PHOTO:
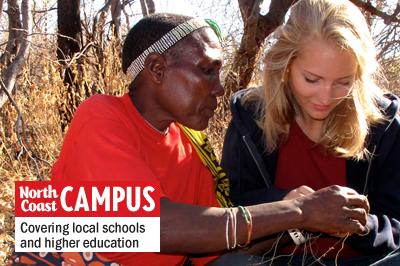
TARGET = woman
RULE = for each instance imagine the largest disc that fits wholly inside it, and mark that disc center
(319, 120)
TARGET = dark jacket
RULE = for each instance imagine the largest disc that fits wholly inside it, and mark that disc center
(252, 171)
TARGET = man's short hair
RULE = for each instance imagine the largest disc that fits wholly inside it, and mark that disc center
(146, 32)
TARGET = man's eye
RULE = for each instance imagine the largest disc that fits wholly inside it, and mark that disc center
(207, 71)
(308, 80)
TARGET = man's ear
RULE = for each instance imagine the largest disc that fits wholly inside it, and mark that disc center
(155, 65)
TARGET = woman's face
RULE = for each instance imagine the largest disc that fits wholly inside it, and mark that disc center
(320, 77)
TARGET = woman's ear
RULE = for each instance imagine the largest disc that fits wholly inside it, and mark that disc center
(155, 65)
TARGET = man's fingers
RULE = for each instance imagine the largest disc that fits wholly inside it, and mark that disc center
(337, 210)
(347, 190)
(356, 227)
(358, 214)
(358, 201)
(348, 226)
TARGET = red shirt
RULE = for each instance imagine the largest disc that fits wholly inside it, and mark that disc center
(303, 162)
(109, 140)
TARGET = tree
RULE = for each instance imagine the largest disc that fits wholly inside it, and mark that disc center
(256, 28)
(147, 7)
(1, 8)
(69, 44)
(18, 45)
(116, 9)
(14, 24)
(375, 10)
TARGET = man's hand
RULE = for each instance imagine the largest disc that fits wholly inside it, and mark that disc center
(334, 210)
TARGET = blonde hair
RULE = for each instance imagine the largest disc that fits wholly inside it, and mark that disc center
(347, 126)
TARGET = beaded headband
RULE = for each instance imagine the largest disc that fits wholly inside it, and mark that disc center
(165, 42)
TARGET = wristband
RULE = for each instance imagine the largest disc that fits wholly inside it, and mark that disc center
(297, 236)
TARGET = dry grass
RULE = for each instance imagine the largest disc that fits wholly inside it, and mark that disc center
(39, 96)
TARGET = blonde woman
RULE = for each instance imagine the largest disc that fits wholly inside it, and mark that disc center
(319, 120)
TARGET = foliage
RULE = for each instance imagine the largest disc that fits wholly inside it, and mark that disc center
(41, 93)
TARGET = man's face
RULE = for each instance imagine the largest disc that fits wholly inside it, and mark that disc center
(191, 81)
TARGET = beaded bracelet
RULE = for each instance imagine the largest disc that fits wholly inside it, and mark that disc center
(249, 221)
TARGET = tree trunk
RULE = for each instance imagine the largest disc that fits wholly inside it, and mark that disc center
(98, 35)
(69, 43)
(69, 28)
(1, 8)
(14, 24)
(116, 10)
(147, 7)
(24, 37)
(256, 28)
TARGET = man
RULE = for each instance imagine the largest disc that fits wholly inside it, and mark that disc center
(175, 63)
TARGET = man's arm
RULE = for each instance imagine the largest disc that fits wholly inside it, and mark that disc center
(194, 229)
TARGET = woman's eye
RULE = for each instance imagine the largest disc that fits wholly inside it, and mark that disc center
(310, 80)
(346, 83)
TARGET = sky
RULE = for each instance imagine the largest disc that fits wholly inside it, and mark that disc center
(225, 13)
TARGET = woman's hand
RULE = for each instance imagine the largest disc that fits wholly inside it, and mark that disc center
(298, 192)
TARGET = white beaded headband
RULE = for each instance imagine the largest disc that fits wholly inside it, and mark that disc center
(166, 41)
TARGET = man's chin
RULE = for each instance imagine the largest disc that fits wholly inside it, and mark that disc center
(198, 125)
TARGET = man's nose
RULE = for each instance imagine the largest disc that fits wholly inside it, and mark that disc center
(218, 90)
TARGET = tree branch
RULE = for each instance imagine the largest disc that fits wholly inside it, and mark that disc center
(256, 29)
(274, 18)
(388, 19)
(22, 138)
(45, 11)
(100, 18)
(147, 7)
